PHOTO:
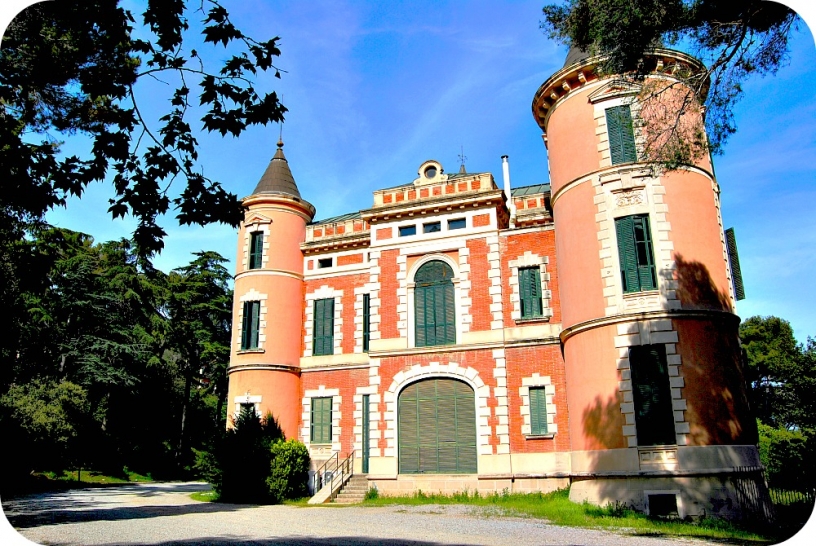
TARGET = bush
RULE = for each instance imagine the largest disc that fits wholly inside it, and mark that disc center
(786, 455)
(289, 471)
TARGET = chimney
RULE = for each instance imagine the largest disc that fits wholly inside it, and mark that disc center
(506, 175)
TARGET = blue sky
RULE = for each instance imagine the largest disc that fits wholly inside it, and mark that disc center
(376, 88)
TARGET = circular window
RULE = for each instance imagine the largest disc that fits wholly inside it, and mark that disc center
(430, 172)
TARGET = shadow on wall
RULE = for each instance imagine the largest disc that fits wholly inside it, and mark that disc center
(603, 422)
(696, 288)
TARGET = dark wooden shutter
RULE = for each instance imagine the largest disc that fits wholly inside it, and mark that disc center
(651, 393)
(621, 134)
(320, 425)
(538, 411)
(256, 250)
(645, 258)
(733, 259)
(366, 321)
(434, 314)
(366, 447)
(323, 329)
(247, 320)
(437, 428)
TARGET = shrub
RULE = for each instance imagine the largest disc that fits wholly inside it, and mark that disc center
(289, 470)
(372, 493)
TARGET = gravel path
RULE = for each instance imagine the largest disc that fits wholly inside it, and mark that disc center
(163, 513)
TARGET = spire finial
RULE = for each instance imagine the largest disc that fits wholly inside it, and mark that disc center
(280, 135)
(462, 158)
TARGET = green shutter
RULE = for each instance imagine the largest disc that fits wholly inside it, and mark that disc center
(366, 321)
(538, 411)
(621, 135)
(321, 416)
(366, 447)
(256, 250)
(624, 228)
(733, 260)
(250, 323)
(323, 327)
(637, 264)
(437, 428)
(651, 393)
(530, 292)
(434, 314)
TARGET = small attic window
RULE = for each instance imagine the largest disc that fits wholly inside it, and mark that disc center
(430, 172)
(324, 262)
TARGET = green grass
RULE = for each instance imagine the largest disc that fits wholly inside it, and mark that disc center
(557, 509)
(205, 496)
(93, 477)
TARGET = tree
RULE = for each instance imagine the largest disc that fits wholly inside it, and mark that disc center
(735, 40)
(200, 314)
(71, 68)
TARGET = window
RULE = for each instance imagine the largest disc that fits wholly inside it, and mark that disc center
(621, 134)
(530, 292)
(252, 320)
(635, 252)
(256, 250)
(323, 331)
(324, 262)
(538, 411)
(432, 227)
(457, 223)
(405, 231)
(366, 321)
(434, 320)
(320, 428)
(651, 394)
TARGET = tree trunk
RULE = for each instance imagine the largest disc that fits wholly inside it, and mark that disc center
(184, 407)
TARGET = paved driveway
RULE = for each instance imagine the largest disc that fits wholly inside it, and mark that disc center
(163, 513)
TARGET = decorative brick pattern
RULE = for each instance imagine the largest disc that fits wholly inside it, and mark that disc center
(501, 411)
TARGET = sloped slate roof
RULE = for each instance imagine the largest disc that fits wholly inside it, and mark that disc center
(278, 178)
(530, 190)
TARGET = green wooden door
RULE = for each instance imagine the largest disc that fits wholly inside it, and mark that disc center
(366, 431)
(437, 428)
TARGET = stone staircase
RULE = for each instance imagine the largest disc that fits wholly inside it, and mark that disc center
(354, 491)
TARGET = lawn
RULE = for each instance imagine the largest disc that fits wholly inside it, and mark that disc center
(556, 508)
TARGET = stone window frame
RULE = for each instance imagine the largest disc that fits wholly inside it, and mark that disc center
(252, 295)
(324, 292)
(257, 225)
(306, 420)
(537, 381)
(529, 259)
(247, 399)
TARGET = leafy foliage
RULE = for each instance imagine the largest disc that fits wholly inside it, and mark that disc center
(92, 334)
(787, 456)
(74, 68)
(735, 40)
(289, 474)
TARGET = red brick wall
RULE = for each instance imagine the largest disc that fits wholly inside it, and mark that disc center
(388, 294)
(347, 381)
(481, 220)
(524, 362)
(350, 259)
(346, 283)
(515, 245)
(384, 233)
(479, 285)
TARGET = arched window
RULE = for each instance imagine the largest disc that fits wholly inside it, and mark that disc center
(434, 318)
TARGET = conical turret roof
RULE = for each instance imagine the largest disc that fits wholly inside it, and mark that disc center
(278, 178)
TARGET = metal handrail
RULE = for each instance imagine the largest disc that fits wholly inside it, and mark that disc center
(344, 472)
(323, 469)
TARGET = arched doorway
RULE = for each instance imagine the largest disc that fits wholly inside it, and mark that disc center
(434, 317)
(437, 427)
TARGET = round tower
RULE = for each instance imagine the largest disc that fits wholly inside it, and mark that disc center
(659, 417)
(267, 315)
